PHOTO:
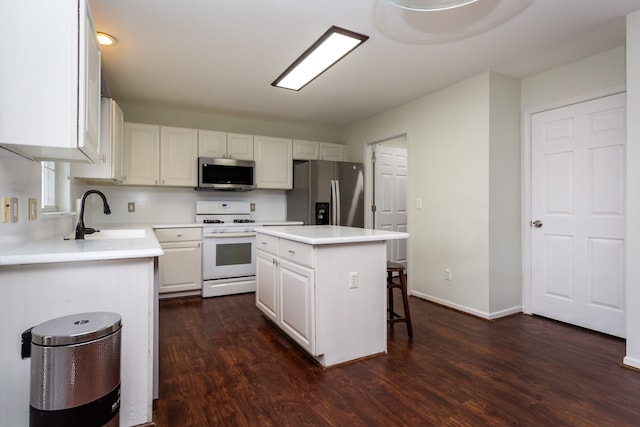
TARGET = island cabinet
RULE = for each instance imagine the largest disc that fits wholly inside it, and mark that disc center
(286, 294)
(325, 288)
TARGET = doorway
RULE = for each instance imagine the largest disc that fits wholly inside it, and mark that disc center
(388, 192)
(578, 214)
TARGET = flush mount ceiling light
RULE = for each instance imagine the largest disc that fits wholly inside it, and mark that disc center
(331, 47)
(430, 5)
(106, 39)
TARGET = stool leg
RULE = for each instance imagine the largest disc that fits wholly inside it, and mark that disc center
(390, 301)
(405, 302)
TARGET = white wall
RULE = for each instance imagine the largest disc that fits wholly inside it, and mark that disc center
(20, 178)
(633, 191)
(505, 256)
(449, 138)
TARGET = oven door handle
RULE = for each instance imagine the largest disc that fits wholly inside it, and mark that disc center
(223, 235)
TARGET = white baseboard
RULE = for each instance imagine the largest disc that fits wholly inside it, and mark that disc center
(469, 310)
(631, 361)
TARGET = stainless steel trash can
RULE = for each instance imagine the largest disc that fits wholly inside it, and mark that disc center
(75, 371)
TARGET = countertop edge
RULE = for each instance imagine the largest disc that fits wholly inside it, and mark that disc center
(328, 240)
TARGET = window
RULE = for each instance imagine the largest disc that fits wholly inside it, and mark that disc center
(55, 187)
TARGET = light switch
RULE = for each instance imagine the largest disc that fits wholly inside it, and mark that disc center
(6, 208)
(418, 203)
(33, 208)
(14, 209)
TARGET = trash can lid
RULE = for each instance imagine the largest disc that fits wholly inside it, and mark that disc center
(75, 328)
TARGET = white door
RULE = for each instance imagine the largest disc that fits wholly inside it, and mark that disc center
(390, 197)
(578, 193)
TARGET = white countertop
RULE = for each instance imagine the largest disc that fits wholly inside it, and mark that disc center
(330, 234)
(57, 249)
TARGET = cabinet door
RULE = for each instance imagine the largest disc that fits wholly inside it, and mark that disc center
(212, 144)
(306, 150)
(180, 267)
(141, 154)
(89, 86)
(333, 152)
(297, 304)
(266, 277)
(178, 156)
(274, 163)
(240, 147)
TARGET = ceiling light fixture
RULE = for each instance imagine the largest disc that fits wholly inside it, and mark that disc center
(106, 39)
(331, 47)
(430, 5)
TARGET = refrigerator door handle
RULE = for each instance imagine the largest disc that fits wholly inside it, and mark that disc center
(338, 213)
(333, 203)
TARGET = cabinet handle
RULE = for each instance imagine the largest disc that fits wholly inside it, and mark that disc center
(178, 235)
(291, 252)
(263, 243)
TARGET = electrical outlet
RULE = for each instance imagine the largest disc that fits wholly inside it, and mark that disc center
(252, 207)
(6, 208)
(131, 207)
(353, 279)
(447, 275)
(33, 209)
(14, 209)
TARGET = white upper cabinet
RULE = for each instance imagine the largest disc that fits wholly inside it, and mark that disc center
(313, 150)
(178, 156)
(225, 146)
(240, 146)
(141, 154)
(109, 166)
(49, 80)
(274, 162)
(160, 155)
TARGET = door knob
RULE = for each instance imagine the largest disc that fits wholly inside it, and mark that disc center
(537, 223)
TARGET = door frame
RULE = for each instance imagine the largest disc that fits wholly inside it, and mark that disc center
(526, 167)
(368, 192)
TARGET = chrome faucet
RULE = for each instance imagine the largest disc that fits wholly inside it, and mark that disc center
(81, 230)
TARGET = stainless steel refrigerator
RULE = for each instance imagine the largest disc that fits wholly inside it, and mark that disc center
(326, 192)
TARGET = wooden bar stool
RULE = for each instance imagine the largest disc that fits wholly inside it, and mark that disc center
(395, 267)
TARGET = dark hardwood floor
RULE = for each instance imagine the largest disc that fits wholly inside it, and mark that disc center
(222, 363)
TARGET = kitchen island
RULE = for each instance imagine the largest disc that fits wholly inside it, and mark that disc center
(114, 271)
(325, 287)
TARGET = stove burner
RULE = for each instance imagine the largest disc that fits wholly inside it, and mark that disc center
(213, 221)
(243, 221)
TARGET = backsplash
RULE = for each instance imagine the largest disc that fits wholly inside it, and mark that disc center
(167, 205)
(20, 177)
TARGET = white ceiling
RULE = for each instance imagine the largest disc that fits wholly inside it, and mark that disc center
(222, 55)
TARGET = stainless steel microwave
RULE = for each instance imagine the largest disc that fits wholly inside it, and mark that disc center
(226, 174)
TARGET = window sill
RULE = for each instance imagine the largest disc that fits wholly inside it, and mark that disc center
(54, 215)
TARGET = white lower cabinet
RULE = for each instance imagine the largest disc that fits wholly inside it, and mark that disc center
(180, 267)
(285, 292)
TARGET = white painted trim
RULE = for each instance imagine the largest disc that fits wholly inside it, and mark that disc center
(526, 180)
(368, 193)
(631, 361)
(469, 310)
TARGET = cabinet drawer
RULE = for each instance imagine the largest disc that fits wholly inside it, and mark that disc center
(178, 234)
(267, 243)
(296, 252)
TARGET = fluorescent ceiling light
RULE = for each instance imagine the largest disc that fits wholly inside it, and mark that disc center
(334, 45)
(106, 39)
(430, 5)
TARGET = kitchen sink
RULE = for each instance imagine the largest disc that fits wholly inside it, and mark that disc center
(133, 233)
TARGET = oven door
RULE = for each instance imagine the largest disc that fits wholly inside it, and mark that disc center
(227, 255)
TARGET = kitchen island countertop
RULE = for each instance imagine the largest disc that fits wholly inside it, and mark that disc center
(330, 234)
